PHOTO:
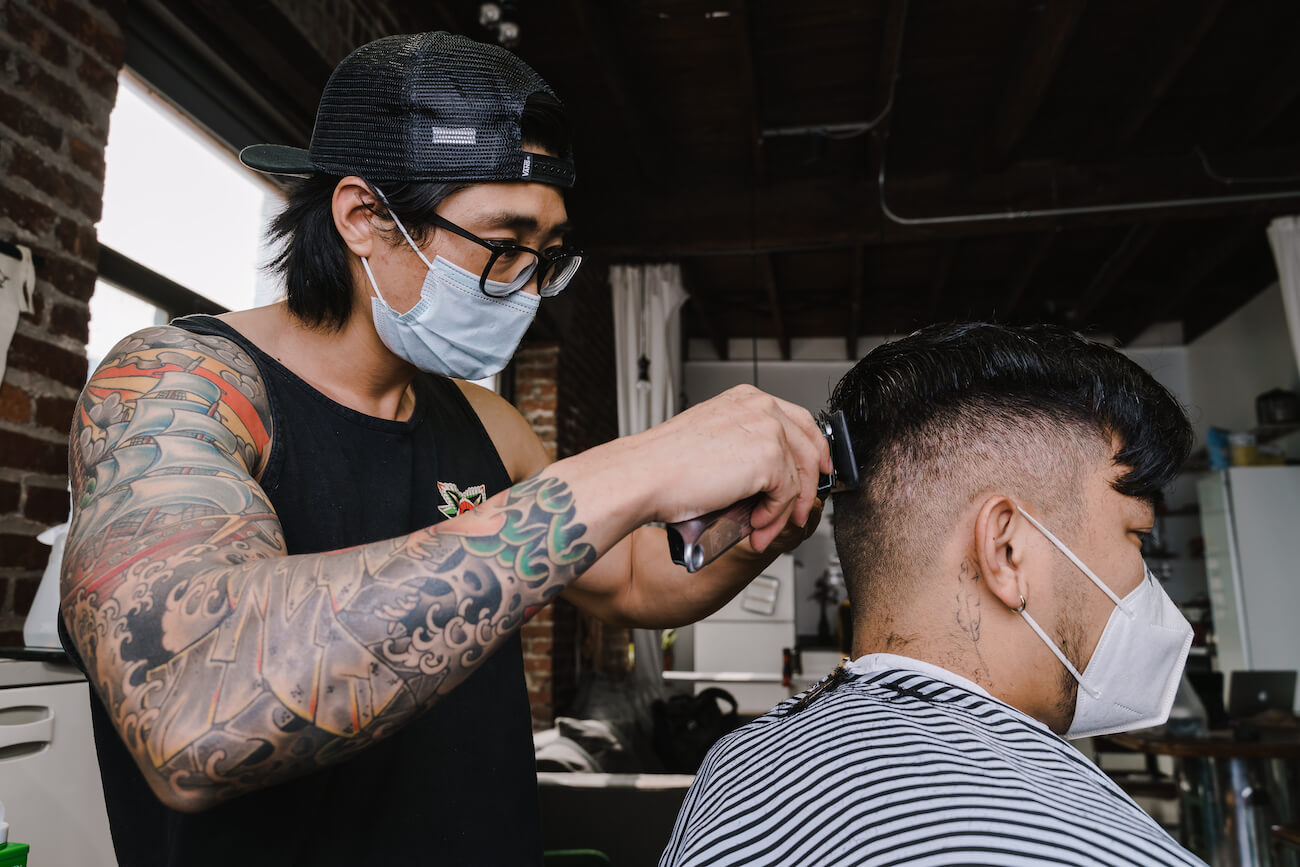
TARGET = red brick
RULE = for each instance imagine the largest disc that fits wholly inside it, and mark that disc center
(15, 405)
(55, 412)
(23, 552)
(70, 321)
(46, 505)
(89, 158)
(35, 35)
(63, 98)
(55, 362)
(70, 276)
(537, 646)
(24, 120)
(99, 77)
(87, 29)
(79, 196)
(10, 492)
(19, 451)
(33, 216)
(25, 589)
(537, 665)
(79, 239)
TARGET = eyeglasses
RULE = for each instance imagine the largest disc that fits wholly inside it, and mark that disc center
(510, 266)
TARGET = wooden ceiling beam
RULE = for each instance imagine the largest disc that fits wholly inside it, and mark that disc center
(767, 278)
(1113, 270)
(888, 70)
(1201, 265)
(1273, 96)
(1150, 97)
(704, 308)
(747, 74)
(939, 282)
(592, 30)
(1025, 275)
(857, 280)
(1050, 33)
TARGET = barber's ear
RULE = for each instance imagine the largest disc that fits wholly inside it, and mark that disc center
(999, 530)
(351, 206)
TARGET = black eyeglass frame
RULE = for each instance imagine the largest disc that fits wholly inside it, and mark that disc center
(546, 259)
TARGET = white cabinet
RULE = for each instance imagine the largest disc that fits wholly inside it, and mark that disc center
(1251, 520)
(746, 637)
(49, 777)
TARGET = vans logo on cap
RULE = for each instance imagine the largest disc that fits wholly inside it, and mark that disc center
(528, 165)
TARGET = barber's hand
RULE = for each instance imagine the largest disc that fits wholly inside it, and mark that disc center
(792, 535)
(719, 452)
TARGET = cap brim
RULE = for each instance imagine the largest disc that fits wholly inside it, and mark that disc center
(277, 159)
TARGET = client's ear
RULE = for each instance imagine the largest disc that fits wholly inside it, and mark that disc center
(998, 531)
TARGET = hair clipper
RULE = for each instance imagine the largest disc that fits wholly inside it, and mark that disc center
(697, 542)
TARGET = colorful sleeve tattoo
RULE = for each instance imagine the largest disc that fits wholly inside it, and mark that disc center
(227, 665)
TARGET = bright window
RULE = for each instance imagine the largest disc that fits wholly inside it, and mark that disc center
(180, 204)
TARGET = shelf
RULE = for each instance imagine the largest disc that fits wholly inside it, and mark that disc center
(1199, 460)
(1266, 433)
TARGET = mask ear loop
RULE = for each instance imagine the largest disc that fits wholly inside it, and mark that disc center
(405, 234)
(1060, 546)
(1051, 645)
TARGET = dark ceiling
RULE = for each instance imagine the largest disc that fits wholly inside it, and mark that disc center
(853, 167)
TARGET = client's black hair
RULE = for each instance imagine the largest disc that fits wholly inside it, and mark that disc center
(313, 258)
(952, 409)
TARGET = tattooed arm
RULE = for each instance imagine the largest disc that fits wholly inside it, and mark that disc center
(635, 583)
(227, 665)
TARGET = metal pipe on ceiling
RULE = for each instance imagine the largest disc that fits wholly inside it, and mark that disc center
(1033, 213)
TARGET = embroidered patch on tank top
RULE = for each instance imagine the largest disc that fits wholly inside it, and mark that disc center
(456, 501)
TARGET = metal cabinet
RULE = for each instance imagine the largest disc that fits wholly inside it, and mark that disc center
(49, 777)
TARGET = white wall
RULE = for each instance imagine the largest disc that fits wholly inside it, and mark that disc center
(1243, 356)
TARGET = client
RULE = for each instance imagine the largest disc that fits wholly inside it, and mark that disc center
(1000, 601)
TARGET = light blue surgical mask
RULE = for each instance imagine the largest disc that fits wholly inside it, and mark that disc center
(455, 329)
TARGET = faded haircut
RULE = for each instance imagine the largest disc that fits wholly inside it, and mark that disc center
(955, 411)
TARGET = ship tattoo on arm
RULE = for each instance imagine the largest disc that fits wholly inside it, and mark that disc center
(227, 665)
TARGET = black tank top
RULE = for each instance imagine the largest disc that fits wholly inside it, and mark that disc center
(456, 786)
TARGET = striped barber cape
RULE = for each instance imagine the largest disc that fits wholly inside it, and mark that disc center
(902, 762)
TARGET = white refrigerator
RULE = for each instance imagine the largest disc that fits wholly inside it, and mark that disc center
(1250, 517)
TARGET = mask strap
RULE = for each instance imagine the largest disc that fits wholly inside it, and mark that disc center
(1060, 546)
(1051, 645)
(401, 228)
(365, 263)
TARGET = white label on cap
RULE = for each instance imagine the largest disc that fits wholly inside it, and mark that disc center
(453, 135)
(528, 165)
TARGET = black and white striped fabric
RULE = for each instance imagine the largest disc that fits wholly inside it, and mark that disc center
(906, 763)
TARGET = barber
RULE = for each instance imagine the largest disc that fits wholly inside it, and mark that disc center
(298, 531)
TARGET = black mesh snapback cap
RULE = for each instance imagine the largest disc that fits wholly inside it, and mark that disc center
(424, 107)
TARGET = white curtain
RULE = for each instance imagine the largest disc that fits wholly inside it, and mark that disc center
(1284, 235)
(647, 324)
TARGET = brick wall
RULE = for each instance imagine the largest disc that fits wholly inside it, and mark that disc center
(59, 61)
(564, 386)
(537, 365)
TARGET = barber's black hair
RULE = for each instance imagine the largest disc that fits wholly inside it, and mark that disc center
(894, 391)
(313, 258)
